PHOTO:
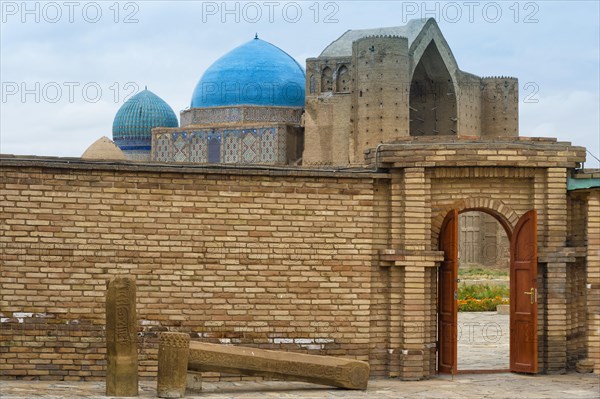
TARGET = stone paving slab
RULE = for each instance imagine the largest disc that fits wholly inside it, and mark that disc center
(465, 386)
(483, 341)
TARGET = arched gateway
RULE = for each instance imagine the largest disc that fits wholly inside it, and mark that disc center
(436, 180)
(523, 294)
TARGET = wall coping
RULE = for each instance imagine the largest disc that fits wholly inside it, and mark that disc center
(9, 160)
(452, 151)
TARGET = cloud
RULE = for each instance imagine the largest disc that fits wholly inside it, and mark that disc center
(568, 116)
(172, 44)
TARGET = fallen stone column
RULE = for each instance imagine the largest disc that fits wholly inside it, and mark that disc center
(121, 338)
(324, 370)
(173, 349)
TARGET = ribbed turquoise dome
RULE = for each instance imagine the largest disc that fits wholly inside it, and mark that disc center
(132, 127)
(255, 73)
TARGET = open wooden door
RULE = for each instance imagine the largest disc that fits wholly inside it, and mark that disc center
(523, 295)
(447, 296)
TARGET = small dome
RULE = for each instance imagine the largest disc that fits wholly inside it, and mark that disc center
(255, 73)
(133, 124)
(103, 148)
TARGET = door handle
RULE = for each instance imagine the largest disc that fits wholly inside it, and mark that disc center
(532, 295)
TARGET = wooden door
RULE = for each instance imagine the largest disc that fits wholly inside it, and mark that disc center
(447, 296)
(523, 295)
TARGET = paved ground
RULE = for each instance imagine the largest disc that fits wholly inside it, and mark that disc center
(483, 344)
(465, 386)
(483, 341)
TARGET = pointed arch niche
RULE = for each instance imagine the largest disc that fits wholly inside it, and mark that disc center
(432, 96)
(326, 80)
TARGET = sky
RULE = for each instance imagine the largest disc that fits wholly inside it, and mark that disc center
(67, 66)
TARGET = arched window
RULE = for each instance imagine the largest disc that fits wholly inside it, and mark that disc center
(313, 84)
(342, 80)
(326, 79)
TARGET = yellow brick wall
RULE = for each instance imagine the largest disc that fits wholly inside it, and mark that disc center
(278, 261)
(514, 193)
(593, 278)
(324, 262)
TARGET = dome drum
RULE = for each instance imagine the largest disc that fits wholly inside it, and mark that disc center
(241, 115)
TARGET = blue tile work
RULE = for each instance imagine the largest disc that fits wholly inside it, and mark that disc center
(281, 146)
(231, 146)
(215, 115)
(198, 147)
(133, 123)
(255, 73)
(203, 116)
(180, 147)
(161, 148)
(266, 145)
(250, 150)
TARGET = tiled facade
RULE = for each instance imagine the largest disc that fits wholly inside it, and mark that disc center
(239, 114)
(258, 145)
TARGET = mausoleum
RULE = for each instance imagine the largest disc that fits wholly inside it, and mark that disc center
(315, 212)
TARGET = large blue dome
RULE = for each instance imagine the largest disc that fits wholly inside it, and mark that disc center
(255, 73)
(132, 127)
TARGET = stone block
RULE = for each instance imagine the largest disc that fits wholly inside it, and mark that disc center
(324, 370)
(121, 338)
(173, 352)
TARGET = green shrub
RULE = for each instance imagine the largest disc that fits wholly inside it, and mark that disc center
(482, 291)
(481, 297)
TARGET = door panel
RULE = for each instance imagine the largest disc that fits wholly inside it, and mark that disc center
(447, 303)
(523, 295)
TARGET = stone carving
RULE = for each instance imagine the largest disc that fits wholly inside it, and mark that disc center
(121, 338)
(324, 370)
(173, 352)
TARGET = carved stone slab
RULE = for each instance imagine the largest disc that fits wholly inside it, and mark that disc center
(324, 370)
(121, 338)
(173, 349)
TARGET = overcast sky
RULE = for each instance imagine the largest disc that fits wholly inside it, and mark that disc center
(67, 66)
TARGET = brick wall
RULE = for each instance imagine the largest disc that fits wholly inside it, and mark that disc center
(593, 278)
(277, 261)
(326, 262)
